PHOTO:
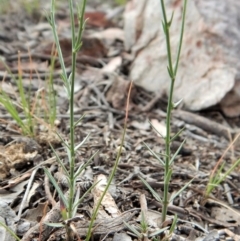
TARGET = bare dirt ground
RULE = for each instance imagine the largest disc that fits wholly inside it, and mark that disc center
(100, 93)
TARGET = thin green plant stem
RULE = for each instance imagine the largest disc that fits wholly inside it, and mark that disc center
(51, 90)
(10, 231)
(75, 48)
(214, 181)
(61, 60)
(25, 103)
(69, 86)
(72, 80)
(166, 27)
(113, 170)
(172, 73)
(81, 23)
(168, 153)
(181, 37)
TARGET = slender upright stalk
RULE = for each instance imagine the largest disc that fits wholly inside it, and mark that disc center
(72, 80)
(112, 174)
(59, 50)
(168, 153)
(172, 73)
(70, 203)
(76, 44)
(69, 86)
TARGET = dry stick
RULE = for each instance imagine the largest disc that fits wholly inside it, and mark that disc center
(41, 221)
(196, 214)
(26, 193)
(204, 123)
(51, 217)
(234, 236)
(47, 189)
(109, 225)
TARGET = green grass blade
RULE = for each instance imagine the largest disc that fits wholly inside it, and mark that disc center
(181, 37)
(76, 201)
(133, 230)
(167, 178)
(228, 171)
(59, 191)
(81, 143)
(156, 130)
(10, 231)
(155, 195)
(84, 195)
(154, 154)
(177, 134)
(10, 108)
(79, 120)
(181, 190)
(158, 232)
(174, 223)
(82, 167)
(176, 153)
(63, 141)
(59, 160)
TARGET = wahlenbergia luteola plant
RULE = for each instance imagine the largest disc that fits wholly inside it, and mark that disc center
(69, 206)
(167, 159)
(70, 203)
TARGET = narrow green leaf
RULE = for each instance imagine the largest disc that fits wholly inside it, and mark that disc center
(12, 233)
(78, 47)
(84, 23)
(181, 37)
(177, 134)
(170, 73)
(176, 104)
(84, 195)
(156, 130)
(69, 78)
(82, 143)
(143, 223)
(180, 191)
(156, 233)
(60, 193)
(68, 151)
(64, 79)
(59, 160)
(170, 22)
(228, 171)
(155, 195)
(10, 107)
(75, 203)
(66, 89)
(176, 153)
(82, 167)
(174, 223)
(81, 21)
(133, 230)
(48, 17)
(168, 176)
(63, 141)
(79, 120)
(164, 29)
(154, 154)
